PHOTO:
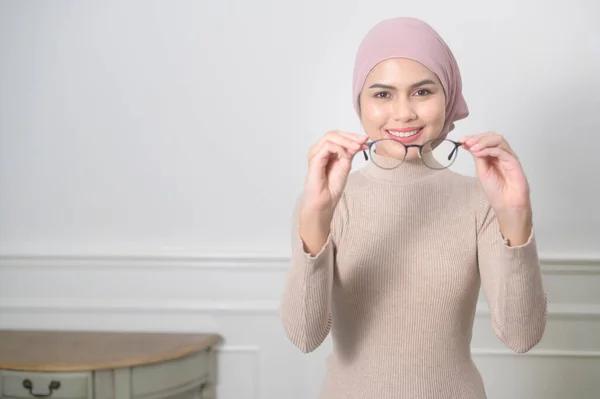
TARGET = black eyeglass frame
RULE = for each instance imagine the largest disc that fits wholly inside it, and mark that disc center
(457, 144)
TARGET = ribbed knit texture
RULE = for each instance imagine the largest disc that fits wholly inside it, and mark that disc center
(397, 285)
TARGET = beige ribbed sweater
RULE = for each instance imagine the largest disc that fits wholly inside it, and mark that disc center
(397, 284)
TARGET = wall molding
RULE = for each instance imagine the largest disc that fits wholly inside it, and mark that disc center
(158, 261)
(106, 305)
(555, 264)
(226, 262)
(483, 352)
(247, 349)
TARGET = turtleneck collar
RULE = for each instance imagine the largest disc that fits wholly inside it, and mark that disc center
(410, 171)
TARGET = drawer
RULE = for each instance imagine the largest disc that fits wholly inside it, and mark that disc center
(30, 384)
(170, 377)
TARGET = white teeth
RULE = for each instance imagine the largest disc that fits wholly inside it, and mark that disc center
(404, 134)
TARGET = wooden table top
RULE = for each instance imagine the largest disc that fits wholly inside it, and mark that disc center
(87, 350)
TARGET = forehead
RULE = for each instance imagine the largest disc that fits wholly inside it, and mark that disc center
(400, 72)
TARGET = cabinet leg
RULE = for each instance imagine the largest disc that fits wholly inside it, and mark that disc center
(209, 388)
(207, 391)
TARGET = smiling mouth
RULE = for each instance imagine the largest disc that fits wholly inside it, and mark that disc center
(404, 134)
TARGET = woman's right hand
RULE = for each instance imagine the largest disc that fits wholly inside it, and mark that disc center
(329, 164)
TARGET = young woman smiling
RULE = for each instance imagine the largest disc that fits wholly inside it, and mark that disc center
(390, 258)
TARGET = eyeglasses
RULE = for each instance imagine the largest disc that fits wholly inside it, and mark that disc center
(436, 154)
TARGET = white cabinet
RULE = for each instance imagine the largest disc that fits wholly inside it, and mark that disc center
(106, 365)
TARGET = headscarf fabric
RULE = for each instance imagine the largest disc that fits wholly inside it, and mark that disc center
(412, 38)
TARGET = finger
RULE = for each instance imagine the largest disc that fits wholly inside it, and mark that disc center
(329, 148)
(479, 135)
(359, 138)
(328, 153)
(474, 138)
(352, 141)
(350, 145)
(471, 138)
(489, 140)
(495, 152)
(329, 136)
(486, 141)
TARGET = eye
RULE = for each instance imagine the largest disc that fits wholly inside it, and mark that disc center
(423, 92)
(382, 94)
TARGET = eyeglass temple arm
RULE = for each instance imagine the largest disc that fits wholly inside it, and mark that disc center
(454, 151)
(368, 143)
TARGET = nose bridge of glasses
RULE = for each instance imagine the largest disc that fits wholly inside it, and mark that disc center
(419, 147)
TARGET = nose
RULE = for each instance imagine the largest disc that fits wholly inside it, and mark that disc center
(403, 110)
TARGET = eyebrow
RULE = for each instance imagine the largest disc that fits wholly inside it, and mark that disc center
(413, 86)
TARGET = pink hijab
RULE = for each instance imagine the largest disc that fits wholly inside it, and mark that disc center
(412, 38)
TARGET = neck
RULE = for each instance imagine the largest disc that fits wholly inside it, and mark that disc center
(409, 171)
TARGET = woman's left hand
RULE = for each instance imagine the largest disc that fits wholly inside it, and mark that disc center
(503, 180)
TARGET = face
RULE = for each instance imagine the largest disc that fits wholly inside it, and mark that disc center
(404, 101)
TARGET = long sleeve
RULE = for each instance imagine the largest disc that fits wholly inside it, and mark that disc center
(305, 308)
(512, 283)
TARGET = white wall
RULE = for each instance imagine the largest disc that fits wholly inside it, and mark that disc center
(145, 183)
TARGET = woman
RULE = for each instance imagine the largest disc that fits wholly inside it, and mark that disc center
(390, 258)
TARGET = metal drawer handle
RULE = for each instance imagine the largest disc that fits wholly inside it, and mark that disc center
(27, 384)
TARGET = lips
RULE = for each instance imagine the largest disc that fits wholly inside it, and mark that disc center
(405, 135)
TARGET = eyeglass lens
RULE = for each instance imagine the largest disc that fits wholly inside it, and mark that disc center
(436, 154)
